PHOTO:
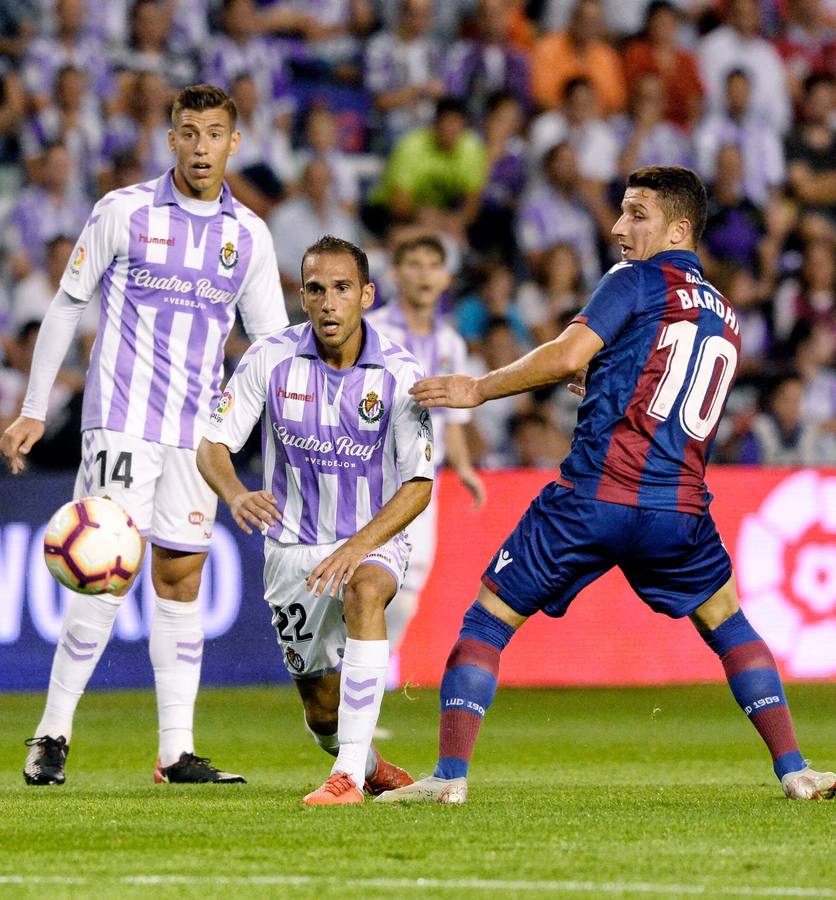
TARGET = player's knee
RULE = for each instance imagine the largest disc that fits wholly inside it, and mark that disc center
(363, 601)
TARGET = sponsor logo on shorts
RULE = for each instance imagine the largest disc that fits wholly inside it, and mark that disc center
(282, 394)
(294, 659)
(196, 517)
(229, 255)
(371, 408)
(505, 559)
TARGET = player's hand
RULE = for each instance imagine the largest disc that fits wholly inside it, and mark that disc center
(335, 569)
(18, 439)
(578, 386)
(471, 480)
(456, 391)
(256, 508)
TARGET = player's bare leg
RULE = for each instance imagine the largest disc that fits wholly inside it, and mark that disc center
(362, 682)
(85, 631)
(467, 691)
(176, 649)
(756, 685)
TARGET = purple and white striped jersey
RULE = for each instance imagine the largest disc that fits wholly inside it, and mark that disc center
(442, 352)
(170, 283)
(337, 444)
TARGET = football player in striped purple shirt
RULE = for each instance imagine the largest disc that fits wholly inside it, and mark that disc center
(172, 259)
(661, 345)
(348, 465)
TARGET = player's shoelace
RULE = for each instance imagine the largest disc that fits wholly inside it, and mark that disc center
(338, 784)
(53, 749)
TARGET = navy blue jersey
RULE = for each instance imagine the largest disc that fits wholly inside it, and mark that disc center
(656, 390)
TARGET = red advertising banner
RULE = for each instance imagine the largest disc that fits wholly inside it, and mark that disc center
(779, 526)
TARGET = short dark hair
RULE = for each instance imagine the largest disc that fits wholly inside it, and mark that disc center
(680, 191)
(330, 244)
(425, 241)
(199, 97)
(451, 105)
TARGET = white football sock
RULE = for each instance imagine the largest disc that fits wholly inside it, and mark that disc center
(176, 648)
(88, 621)
(330, 743)
(362, 683)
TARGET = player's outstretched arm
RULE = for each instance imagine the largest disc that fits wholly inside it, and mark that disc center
(568, 353)
(409, 500)
(18, 439)
(248, 508)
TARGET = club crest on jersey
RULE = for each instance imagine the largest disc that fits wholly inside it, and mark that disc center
(371, 408)
(428, 452)
(229, 255)
(294, 659)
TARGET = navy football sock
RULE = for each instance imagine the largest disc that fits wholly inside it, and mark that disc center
(468, 688)
(756, 685)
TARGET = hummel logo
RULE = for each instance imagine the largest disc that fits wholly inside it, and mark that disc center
(504, 558)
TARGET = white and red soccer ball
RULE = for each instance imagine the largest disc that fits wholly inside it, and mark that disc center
(92, 546)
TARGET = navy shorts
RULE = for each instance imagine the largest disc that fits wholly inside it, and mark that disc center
(674, 561)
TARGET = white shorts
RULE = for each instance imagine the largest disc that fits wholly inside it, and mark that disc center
(421, 534)
(311, 629)
(157, 484)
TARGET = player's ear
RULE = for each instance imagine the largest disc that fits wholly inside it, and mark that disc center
(235, 142)
(171, 139)
(367, 296)
(680, 231)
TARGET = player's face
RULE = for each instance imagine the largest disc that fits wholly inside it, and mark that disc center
(334, 300)
(202, 141)
(642, 230)
(421, 277)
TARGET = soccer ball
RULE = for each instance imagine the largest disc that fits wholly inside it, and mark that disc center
(92, 546)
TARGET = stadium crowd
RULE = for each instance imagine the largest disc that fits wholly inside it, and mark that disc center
(505, 127)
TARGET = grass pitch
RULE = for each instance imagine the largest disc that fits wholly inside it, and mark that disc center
(662, 792)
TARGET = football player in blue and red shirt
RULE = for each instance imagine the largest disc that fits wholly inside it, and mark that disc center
(659, 347)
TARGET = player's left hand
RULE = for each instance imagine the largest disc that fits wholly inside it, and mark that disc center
(471, 480)
(455, 391)
(335, 569)
(578, 386)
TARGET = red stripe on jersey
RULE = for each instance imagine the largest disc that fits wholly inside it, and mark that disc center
(631, 438)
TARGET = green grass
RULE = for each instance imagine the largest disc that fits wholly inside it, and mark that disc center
(662, 792)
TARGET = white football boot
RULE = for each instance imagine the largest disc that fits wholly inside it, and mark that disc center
(428, 790)
(807, 784)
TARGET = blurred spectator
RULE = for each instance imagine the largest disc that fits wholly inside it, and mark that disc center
(535, 443)
(18, 25)
(493, 230)
(486, 62)
(326, 34)
(238, 50)
(811, 147)
(150, 49)
(69, 46)
(658, 51)
(403, 72)
(554, 213)
(300, 221)
(751, 304)
(322, 140)
(546, 303)
(493, 299)
(779, 436)
(53, 206)
(499, 348)
(434, 176)
(142, 123)
(814, 359)
(738, 45)
(621, 17)
(578, 122)
(760, 145)
(808, 43)
(69, 120)
(809, 296)
(580, 51)
(735, 226)
(32, 295)
(12, 108)
(644, 135)
(446, 19)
